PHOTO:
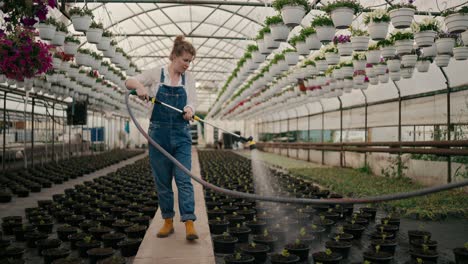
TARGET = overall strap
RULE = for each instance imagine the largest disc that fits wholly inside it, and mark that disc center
(183, 79)
(162, 76)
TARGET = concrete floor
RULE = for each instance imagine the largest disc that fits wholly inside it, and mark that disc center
(176, 249)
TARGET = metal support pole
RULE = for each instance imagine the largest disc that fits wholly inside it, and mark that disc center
(24, 132)
(308, 130)
(449, 124)
(32, 131)
(341, 130)
(46, 134)
(365, 125)
(322, 136)
(399, 126)
(53, 131)
(4, 133)
(287, 138)
(63, 133)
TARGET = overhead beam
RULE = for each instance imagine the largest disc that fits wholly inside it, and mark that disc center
(197, 57)
(171, 36)
(182, 2)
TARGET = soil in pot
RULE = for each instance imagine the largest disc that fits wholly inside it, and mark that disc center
(317, 231)
(327, 223)
(21, 231)
(256, 226)
(327, 257)
(258, 251)
(418, 243)
(52, 254)
(266, 239)
(392, 229)
(239, 258)
(99, 231)
(380, 257)
(387, 245)
(299, 249)
(136, 231)
(129, 247)
(284, 258)
(32, 237)
(224, 243)
(64, 231)
(96, 254)
(234, 219)
(68, 260)
(74, 238)
(341, 247)
(121, 224)
(86, 244)
(354, 229)
(241, 232)
(111, 239)
(215, 213)
(370, 210)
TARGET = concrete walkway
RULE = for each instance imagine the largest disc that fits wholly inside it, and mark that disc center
(176, 249)
(17, 205)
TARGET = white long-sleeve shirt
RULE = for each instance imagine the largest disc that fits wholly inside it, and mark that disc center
(151, 79)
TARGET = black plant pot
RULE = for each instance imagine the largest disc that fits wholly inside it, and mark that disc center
(380, 235)
(354, 229)
(99, 231)
(392, 229)
(129, 247)
(120, 225)
(240, 259)
(259, 251)
(44, 227)
(380, 257)
(64, 231)
(301, 250)
(387, 245)
(370, 210)
(68, 260)
(317, 231)
(461, 255)
(418, 234)
(234, 219)
(333, 258)
(21, 231)
(31, 238)
(326, 223)
(429, 255)
(14, 252)
(52, 254)
(280, 259)
(112, 239)
(213, 214)
(84, 246)
(224, 244)
(112, 260)
(218, 227)
(141, 220)
(4, 243)
(343, 237)
(74, 238)
(341, 247)
(44, 244)
(391, 221)
(241, 232)
(136, 231)
(269, 240)
(418, 243)
(257, 226)
(96, 254)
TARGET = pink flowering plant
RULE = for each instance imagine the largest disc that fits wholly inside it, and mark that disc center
(21, 56)
(25, 12)
(341, 39)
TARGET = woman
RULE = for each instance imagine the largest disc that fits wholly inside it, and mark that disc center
(174, 86)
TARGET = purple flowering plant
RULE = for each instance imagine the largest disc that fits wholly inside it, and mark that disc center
(21, 56)
(341, 39)
(25, 12)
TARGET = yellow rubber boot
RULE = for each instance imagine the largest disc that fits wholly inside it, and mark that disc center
(167, 229)
(191, 234)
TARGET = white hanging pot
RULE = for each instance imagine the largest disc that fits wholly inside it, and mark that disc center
(46, 32)
(360, 43)
(59, 38)
(378, 31)
(291, 58)
(347, 71)
(442, 60)
(292, 15)
(456, 23)
(342, 17)
(409, 60)
(94, 35)
(402, 17)
(425, 38)
(395, 76)
(373, 56)
(321, 65)
(464, 37)
(381, 69)
(279, 32)
(104, 44)
(81, 59)
(445, 45)
(56, 63)
(393, 65)
(110, 53)
(388, 52)
(81, 23)
(374, 80)
(345, 49)
(325, 34)
(302, 48)
(370, 72)
(347, 89)
(384, 78)
(430, 52)
(404, 46)
(262, 48)
(359, 65)
(460, 53)
(70, 48)
(313, 43)
(269, 42)
(407, 73)
(358, 79)
(332, 58)
(2, 78)
(423, 66)
(257, 57)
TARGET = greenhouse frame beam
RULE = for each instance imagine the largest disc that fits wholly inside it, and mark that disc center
(449, 124)
(197, 57)
(4, 132)
(365, 124)
(174, 35)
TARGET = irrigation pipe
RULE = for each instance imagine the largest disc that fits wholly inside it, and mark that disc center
(364, 200)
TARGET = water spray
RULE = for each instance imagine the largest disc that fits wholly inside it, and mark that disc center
(363, 200)
(250, 142)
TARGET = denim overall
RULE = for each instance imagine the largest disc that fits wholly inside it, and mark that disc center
(170, 130)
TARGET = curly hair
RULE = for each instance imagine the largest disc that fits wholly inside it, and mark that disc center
(181, 46)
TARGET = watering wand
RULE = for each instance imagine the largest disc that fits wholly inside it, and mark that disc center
(153, 100)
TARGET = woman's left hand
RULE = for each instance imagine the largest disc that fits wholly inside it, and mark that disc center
(188, 114)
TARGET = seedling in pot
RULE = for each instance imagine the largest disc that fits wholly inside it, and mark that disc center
(377, 248)
(328, 252)
(419, 261)
(285, 253)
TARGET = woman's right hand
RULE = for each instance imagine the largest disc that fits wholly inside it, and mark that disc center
(142, 93)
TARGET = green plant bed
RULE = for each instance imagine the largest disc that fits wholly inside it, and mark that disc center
(353, 183)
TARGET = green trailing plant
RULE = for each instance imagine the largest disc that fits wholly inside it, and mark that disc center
(385, 43)
(273, 20)
(425, 25)
(352, 4)
(298, 38)
(331, 48)
(72, 39)
(279, 4)
(356, 32)
(262, 33)
(322, 21)
(366, 168)
(402, 35)
(377, 16)
(95, 24)
(60, 26)
(328, 252)
(107, 34)
(80, 12)
(307, 31)
(396, 168)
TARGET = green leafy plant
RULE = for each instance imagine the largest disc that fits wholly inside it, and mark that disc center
(401, 35)
(356, 32)
(279, 4)
(322, 21)
(60, 26)
(80, 12)
(273, 20)
(94, 24)
(107, 34)
(354, 5)
(425, 25)
(307, 31)
(385, 43)
(377, 248)
(298, 38)
(285, 253)
(377, 16)
(396, 168)
(328, 252)
(262, 32)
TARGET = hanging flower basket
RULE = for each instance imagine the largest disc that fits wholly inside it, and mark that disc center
(374, 80)
(292, 14)
(394, 65)
(370, 71)
(81, 58)
(464, 37)
(291, 57)
(407, 72)
(359, 79)
(302, 48)
(345, 49)
(384, 78)
(71, 45)
(373, 56)
(59, 38)
(430, 52)
(402, 17)
(270, 43)
(262, 47)
(360, 43)
(322, 65)
(460, 53)
(423, 65)
(110, 53)
(378, 31)
(257, 57)
(46, 31)
(279, 32)
(342, 17)
(380, 69)
(425, 38)
(104, 44)
(325, 34)
(359, 65)
(388, 52)
(94, 33)
(409, 60)
(313, 43)
(404, 46)
(395, 76)
(456, 23)
(81, 18)
(442, 60)
(332, 58)
(445, 45)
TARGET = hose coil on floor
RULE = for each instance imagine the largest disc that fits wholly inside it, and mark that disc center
(364, 200)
